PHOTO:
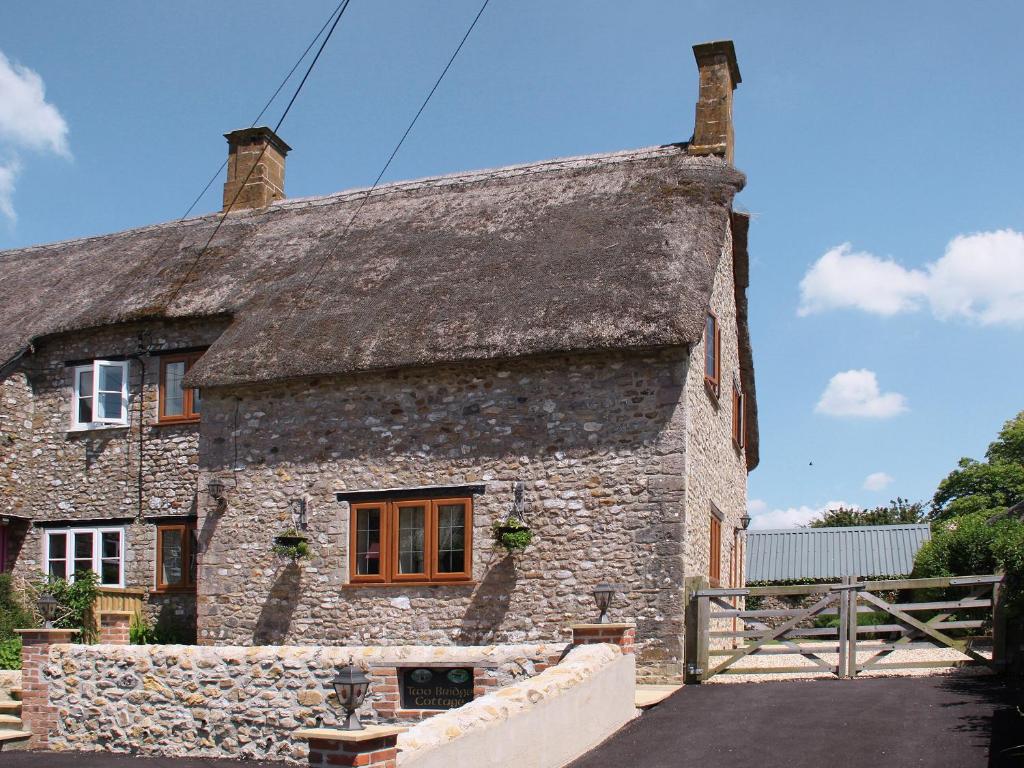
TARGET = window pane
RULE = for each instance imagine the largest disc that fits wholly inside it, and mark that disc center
(58, 568)
(111, 378)
(109, 405)
(111, 572)
(410, 539)
(709, 348)
(110, 544)
(451, 538)
(58, 546)
(368, 541)
(172, 551)
(85, 396)
(174, 395)
(83, 552)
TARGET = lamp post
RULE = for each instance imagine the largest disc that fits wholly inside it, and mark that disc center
(47, 605)
(603, 594)
(350, 686)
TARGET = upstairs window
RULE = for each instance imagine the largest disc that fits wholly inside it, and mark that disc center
(176, 547)
(178, 404)
(67, 551)
(739, 418)
(712, 354)
(100, 395)
(426, 540)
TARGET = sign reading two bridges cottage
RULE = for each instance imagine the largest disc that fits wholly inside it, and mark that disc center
(436, 687)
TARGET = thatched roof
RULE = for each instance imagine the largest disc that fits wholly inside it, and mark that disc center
(612, 251)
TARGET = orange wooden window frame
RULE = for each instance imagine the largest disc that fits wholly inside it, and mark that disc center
(713, 380)
(739, 418)
(431, 573)
(715, 555)
(187, 531)
(186, 415)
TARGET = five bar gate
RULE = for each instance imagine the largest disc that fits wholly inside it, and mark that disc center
(721, 633)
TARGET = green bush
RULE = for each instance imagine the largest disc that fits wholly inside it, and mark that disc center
(140, 631)
(12, 610)
(10, 653)
(74, 601)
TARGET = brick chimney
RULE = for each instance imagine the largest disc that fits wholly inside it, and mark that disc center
(719, 76)
(266, 183)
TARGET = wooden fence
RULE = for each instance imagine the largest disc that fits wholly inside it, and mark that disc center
(116, 601)
(721, 633)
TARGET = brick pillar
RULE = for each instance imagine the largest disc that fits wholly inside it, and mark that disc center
(37, 714)
(114, 627)
(622, 635)
(376, 746)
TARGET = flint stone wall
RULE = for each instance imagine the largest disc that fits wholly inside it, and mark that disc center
(234, 701)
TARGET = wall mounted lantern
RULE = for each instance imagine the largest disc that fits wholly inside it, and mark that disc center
(603, 594)
(745, 520)
(215, 487)
(47, 605)
(299, 513)
(350, 686)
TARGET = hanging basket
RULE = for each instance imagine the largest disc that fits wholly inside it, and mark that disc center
(513, 535)
(291, 544)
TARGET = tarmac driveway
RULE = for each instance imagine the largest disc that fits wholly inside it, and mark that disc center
(940, 722)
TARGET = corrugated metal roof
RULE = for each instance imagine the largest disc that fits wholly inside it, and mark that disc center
(823, 553)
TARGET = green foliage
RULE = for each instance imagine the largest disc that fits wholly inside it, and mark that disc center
(899, 511)
(10, 653)
(513, 534)
(13, 614)
(74, 601)
(140, 631)
(297, 550)
(164, 632)
(993, 485)
(863, 620)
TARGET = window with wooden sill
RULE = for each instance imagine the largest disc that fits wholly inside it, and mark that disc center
(426, 541)
(715, 548)
(178, 405)
(176, 547)
(712, 354)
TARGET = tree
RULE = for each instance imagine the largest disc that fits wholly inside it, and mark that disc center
(899, 512)
(986, 486)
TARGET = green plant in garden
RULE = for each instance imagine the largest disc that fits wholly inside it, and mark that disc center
(10, 653)
(74, 601)
(140, 631)
(13, 614)
(291, 543)
(513, 534)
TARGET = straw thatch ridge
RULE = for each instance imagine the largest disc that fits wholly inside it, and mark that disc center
(614, 251)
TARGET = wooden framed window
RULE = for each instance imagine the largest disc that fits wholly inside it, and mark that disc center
(178, 404)
(66, 551)
(176, 547)
(712, 353)
(418, 540)
(739, 418)
(715, 549)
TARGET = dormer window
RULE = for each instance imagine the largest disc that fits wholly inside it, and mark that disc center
(100, 395)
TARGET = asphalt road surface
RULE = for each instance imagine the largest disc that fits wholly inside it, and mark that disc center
(939, 722)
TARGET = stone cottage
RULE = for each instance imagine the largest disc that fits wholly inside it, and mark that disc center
(391, 372)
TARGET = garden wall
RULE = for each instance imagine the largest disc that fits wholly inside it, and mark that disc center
(242, 702)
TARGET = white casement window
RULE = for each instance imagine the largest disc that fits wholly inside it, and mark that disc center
(100, 395)
(69, 550)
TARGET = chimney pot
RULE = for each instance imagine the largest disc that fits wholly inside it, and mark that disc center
(719, 76)
(255, 169)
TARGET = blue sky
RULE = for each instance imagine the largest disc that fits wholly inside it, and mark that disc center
(891, 127)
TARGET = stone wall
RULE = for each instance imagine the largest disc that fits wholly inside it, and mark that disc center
(597, 440)
(137, 473)
(238, 702)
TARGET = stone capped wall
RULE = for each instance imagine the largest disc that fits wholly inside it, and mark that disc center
(234, 701)
(598, 441)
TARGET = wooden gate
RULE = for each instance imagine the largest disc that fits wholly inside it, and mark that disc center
(723, 636)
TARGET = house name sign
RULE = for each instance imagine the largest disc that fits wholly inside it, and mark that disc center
(436, 687)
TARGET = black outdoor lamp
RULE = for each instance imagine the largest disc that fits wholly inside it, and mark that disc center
(47, 605)
(215, 487)
(350, 686)
(745, 520)
(603, 597)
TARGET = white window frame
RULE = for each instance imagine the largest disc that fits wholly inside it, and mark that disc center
(97, 551)
(98, 423)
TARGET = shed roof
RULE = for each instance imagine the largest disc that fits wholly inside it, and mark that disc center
(822, 553)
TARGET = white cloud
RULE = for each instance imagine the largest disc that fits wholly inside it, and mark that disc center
(877, 481)
(791, 517)
(979, 278)
(27, 122)
(856, 394)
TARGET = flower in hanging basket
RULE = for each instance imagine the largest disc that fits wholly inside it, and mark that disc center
(291, 544)
(513, 534)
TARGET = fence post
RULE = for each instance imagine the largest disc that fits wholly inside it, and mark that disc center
(694, 631)
(843, 606)
(999, 622)
(851, 626)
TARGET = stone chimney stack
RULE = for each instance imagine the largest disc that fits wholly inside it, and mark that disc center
(719, 76)
(266, 182)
